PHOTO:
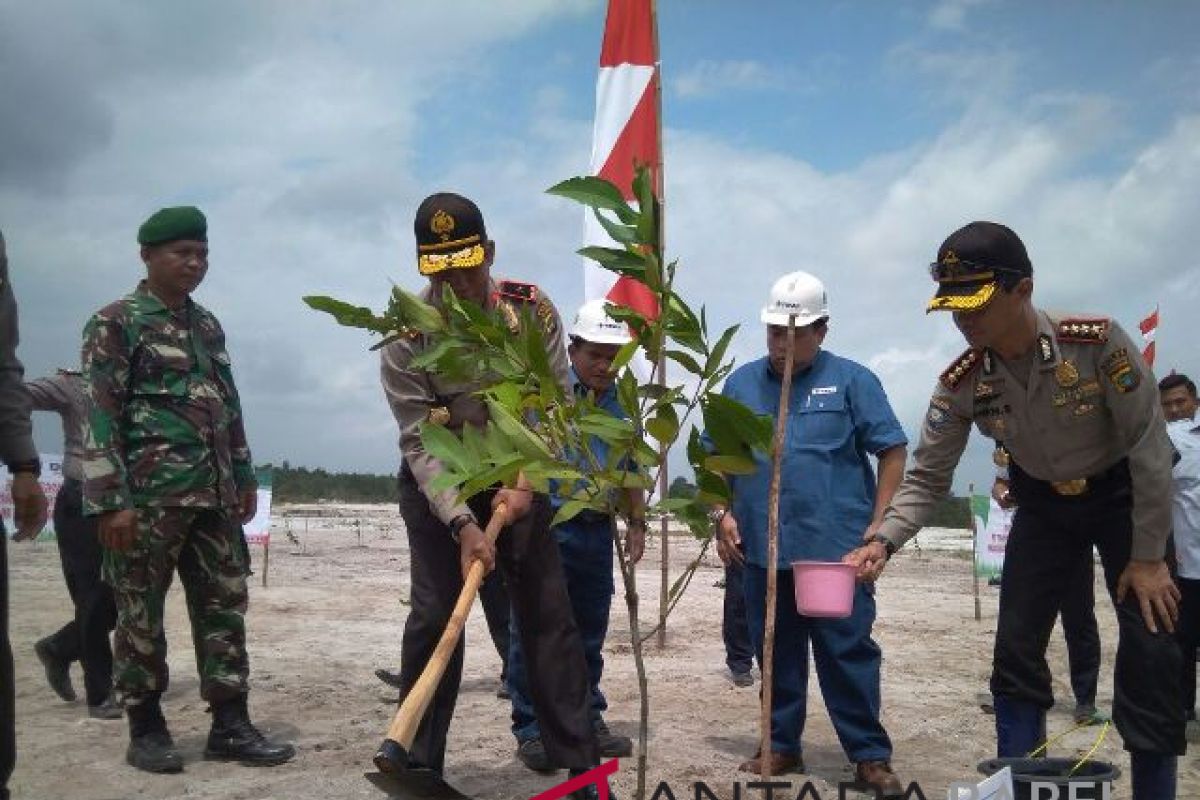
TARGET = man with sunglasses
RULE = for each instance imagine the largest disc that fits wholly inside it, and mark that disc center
(1090, 461)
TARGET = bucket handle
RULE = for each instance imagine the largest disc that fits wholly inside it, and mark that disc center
(1096, 746)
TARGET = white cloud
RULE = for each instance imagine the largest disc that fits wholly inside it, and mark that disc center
(303, 147)
(950, 15)
(706, 78)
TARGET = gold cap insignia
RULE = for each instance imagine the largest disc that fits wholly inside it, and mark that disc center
(442, 224)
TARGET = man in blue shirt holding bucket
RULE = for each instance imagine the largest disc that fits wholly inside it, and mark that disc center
(831, 498)
(585, 545)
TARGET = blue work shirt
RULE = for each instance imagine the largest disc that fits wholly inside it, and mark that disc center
(607, 401)
(839, 416)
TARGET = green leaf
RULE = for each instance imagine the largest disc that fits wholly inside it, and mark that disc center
(620, 261)
(718, 351)
(621, 234)
(344, 313)
(624, 355)
(596, 193)
(568, 511)
(686, 361)
(521, 438)
(664, 426)
(731, 465)
(415, 312)
(443, 445)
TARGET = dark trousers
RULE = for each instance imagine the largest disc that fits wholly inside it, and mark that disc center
(8, 723)
(1051, 535)
(493, 596)
(1188, 629)
(847, 660)
(739, 655)
(528, 558)
(585, 545)
(1082, 634)
(85, 638)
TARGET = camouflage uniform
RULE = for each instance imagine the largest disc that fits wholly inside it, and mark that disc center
(164, 436)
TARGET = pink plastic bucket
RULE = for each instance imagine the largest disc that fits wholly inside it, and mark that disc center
(824, 588)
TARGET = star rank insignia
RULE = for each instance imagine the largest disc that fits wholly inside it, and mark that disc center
(1091, 330)
(963, 366)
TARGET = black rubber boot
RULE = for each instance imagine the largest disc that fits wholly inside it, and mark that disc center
(151, 748)
(58, 670)
(234, 738)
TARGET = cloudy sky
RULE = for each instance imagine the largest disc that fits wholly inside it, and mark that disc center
(842, 138)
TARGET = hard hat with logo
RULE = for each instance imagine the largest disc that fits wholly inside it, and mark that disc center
(593, 324)
(796, 294)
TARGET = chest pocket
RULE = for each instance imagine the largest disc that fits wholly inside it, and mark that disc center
(820, 420)
(162, 365)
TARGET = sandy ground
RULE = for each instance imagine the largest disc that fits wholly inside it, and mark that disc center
(332, 613)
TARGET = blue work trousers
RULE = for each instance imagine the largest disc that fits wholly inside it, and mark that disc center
(585, 546)
(847, 661)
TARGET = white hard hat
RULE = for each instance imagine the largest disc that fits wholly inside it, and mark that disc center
(593, 324)
(796, 294)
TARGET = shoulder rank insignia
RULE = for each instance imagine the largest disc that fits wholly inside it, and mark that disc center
(963, 366)
(1090, 330)
(519, 290)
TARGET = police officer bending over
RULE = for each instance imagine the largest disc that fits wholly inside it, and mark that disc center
(445, 537)
(1076, 408)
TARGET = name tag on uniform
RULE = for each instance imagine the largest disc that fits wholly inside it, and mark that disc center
(824, 390)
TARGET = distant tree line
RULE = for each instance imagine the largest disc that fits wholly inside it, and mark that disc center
(303, 485)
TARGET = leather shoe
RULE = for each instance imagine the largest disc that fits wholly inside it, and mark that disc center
(109, 709)
(879, 775)
(390, 678)
(532, 754)
(781, 764)
(609, 744)
(743, 679)
(58, 671)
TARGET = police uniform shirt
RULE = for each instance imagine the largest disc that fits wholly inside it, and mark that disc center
(416, 395)
(62, 393)
(838, 414)
(1185, 506)
(1089, 401)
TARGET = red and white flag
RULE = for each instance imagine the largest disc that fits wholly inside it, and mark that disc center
(626, 130)
(1148, 327)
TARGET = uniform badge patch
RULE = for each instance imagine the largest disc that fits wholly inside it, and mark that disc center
(938, 414)
(1066, 373)
(1121, 372)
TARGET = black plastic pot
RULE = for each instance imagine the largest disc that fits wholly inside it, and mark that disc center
(1092, 781)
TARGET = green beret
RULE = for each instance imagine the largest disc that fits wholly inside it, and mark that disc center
(169, 224)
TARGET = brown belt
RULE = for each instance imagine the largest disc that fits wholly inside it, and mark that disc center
(1071, 488)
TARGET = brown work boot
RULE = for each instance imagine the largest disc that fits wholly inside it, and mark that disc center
(879, 775)
(781, 764)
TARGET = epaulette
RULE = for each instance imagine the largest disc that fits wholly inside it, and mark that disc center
(960, 368)
(519, 290)
(1083, 330)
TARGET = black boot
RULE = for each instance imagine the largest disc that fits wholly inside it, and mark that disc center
(58, 670)
(150, 745)
(234, 738)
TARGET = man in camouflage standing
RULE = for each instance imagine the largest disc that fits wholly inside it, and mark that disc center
(168, 472)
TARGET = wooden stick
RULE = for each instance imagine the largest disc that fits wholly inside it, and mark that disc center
(392, 755)
(768, 671)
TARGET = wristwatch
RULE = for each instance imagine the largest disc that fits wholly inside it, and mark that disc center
(716, 515)
(887, 543)
(33, 466)
(457, 524)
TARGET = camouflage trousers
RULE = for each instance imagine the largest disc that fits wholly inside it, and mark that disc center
(205, 546)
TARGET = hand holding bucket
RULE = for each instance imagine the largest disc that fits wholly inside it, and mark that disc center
(824, 588)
